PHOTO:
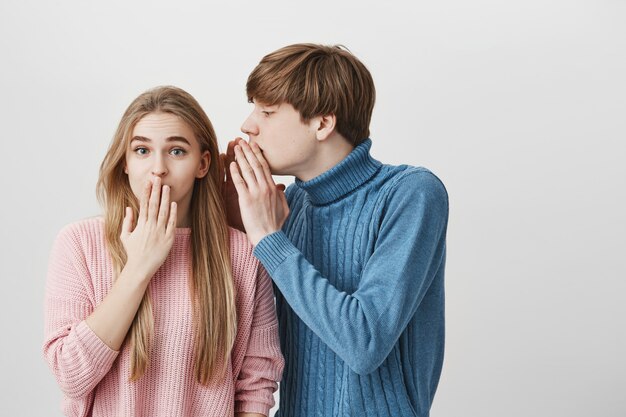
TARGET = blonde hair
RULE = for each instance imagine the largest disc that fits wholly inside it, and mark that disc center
(211, 283)
(317, 80)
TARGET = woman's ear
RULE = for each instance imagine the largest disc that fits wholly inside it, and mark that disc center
(205, 163)
(326, 126)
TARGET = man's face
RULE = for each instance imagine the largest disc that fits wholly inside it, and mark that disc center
(287, 143)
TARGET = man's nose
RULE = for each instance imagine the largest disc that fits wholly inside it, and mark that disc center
(249, 127)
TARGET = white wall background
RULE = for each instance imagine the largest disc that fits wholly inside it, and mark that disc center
(519, 106)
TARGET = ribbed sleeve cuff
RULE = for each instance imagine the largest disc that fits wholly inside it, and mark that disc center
(100, 354)
(265, 359)
(262, 369)
(252, 407)
(273, 249)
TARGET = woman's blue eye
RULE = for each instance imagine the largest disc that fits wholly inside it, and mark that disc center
(178, 152)
(141, 151)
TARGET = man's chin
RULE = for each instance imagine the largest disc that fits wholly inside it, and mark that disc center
(274, 170)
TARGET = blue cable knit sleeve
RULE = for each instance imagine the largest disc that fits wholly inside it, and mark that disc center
(362, 327)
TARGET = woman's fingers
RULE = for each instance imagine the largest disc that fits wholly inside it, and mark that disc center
(164, 207)
(143, 201)
(171, 223)
(127, 224)
(154, 206)
(155, 196)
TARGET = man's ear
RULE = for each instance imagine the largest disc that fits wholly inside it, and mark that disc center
(325, 126)
(205, 163)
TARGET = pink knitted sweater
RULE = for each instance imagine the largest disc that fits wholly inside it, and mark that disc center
(95, 379)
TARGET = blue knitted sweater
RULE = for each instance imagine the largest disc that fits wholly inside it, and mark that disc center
(359, 276)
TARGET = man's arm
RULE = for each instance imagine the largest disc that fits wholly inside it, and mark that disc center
(362, 327)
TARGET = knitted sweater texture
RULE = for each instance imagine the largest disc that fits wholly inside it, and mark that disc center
(359, 269)
(95, 379)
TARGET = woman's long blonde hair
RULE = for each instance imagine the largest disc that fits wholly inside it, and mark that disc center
(211, 283)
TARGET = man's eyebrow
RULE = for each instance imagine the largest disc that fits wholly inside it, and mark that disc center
(169, 139)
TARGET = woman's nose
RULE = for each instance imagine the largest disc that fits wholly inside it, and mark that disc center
(159, 168)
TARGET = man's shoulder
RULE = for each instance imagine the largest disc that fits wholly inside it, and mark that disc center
(407, 177)
(388, 182)
(411, 188)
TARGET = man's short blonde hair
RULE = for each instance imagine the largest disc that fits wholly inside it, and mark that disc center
(317, 80)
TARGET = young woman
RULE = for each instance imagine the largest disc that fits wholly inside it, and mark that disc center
(158, 308)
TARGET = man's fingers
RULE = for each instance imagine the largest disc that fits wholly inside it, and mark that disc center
(254, 163)
(283, 201)
(225, 163)
(224, 170)
(230, 149)
(260, 167)
(238, 181)
(263, 162)
(246, 170)
(281, 187)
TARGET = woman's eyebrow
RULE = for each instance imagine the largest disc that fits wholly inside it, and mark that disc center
(169, 139)
(178, 139)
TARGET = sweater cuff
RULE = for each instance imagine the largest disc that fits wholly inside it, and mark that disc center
(252, 407)
(273, 249)
(101, 355)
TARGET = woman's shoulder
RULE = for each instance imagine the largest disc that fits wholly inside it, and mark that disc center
(241, 250)
(85, 232)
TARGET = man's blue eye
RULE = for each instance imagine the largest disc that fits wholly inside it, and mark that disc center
(266, 113)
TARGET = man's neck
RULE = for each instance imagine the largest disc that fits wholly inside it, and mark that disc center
(331, 151)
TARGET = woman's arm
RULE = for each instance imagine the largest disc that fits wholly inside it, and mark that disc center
(77, 358)
(263, 362)
(147, 246)
(82, 341)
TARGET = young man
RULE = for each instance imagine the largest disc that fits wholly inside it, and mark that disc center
(356, 248)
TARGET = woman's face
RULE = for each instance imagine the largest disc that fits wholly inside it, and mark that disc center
(163, 145)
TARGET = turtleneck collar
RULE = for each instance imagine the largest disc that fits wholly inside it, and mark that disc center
(348, 175)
